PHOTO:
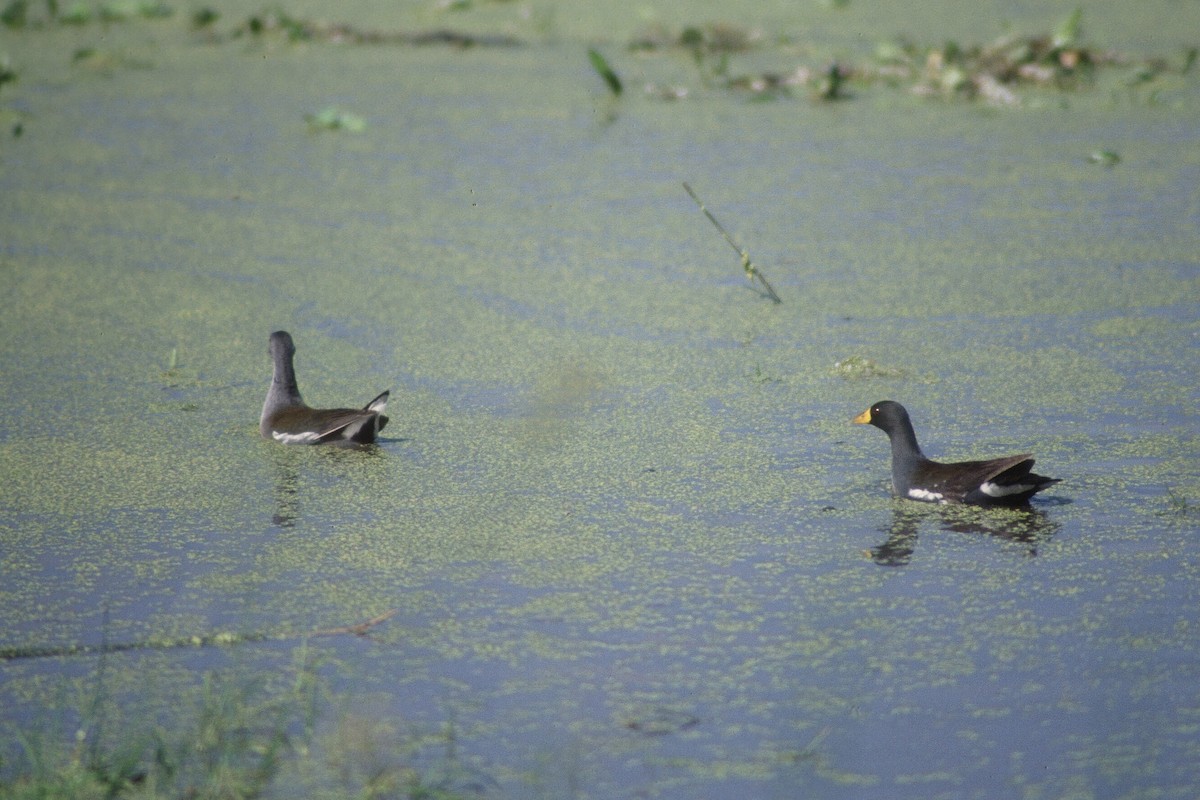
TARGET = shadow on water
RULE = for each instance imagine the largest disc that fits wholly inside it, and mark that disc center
(1028, 526)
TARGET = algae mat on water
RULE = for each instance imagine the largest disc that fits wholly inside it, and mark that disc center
(632, 543)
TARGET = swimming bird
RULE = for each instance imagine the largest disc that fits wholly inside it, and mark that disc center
(999, 481)
(286, 418)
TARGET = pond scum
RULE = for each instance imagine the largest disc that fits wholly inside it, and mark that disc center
(240, 738)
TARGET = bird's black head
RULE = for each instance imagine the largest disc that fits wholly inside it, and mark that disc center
(887, 415)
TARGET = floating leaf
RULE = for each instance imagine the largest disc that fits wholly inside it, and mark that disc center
(1107, 158)
(13, 15)
(6, 72)
(335, 119)
(204, 17)
(605, 71)
(830, 85)
(1189, 60)
(1067, 32)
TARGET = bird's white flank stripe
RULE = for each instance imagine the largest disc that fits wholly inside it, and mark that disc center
(307, 437)
(996, 490)
(924, 494)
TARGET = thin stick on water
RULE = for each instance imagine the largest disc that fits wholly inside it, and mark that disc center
(206, 640)
(752, 272)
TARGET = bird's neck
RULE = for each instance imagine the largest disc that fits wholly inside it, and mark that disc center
(283, 392)
(904, 443)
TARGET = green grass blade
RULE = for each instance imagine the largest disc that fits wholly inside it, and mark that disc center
(600, 64)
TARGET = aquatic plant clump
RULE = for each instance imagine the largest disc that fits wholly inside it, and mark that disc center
(991, 72)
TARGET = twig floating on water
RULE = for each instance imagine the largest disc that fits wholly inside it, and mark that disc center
(752, 272)
(208, 640)
(361, 629)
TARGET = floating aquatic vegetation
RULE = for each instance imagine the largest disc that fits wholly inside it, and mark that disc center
(714, 38)
(205, 17)
(19, 13)
(1179, 506)
(666, 92)
(710, 47)
(7, 74)
(277, 22)
(75, 14)
(660, 721)
(332, 118)
(273, 22)
(105, 61)
(993, 73)
(830, 86)
(767, 84)
(122, 10)
(989, 72)
(1107, 158)
(859, 367)
(605, 71)
(760, 375)
(15, 14)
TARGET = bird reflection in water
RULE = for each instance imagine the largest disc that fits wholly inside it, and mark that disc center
(1028, 526)
(287, 496)
(287, 461)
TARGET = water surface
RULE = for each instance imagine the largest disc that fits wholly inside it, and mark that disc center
(633, 544)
